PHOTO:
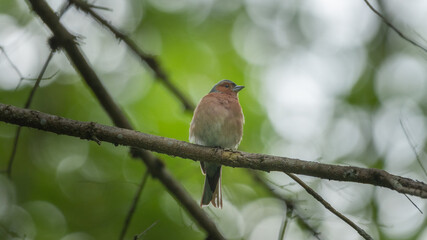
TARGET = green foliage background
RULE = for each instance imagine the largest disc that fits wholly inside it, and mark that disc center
(66, 188)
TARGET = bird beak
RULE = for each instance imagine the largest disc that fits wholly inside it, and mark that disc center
(238, 88)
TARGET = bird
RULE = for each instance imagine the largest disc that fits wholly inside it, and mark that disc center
(217, 122)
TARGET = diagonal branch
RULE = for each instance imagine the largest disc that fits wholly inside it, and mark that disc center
(62, 11)
(290, 204)
(27, 105)
(328, 206)
(148, 59)
(412, 145)
(133, 206)
(388, 23)
(136, 237)
(119, 136)
(67, 41)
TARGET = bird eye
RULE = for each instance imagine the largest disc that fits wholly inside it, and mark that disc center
(227, 86)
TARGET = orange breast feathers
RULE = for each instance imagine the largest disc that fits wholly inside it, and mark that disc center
(218, 121)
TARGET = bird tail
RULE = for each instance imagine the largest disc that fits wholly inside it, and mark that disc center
(212, 191)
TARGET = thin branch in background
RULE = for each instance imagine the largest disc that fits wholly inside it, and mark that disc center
(155, 66)
(11, 62)
(419, 35)
(283, 186)
(388, 23)
(98, 7)
(286, 217)
(133, 206)
(64, 8)
(156, 167)
(329, 207)
(136, 237)
(39, 78)
(415, 205)
(411, 143)
(35, 79)
(13, 153)
(27, 105)
(413, 147)
(290, 204)
(15, 68)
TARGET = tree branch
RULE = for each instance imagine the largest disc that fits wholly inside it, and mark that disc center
(27, 105)
(62, 38)
(66, 40)
(63, 9)
(118, 136)
(133, 205)
(149, 60)
(290, 204)
(388, 23)
(328, 206)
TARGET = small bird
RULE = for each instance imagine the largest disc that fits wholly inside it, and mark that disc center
(217, 122)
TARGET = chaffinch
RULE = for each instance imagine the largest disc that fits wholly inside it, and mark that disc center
(217, 122)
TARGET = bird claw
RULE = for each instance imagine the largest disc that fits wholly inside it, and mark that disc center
(218, 149)
(228, 149)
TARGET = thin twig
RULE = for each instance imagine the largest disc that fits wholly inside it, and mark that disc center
(27, 105)
(35, 79)
(15, 68)
(290, 204)
(39, 78)
(148, 59)
(13, 153)
(412, 145)
(415, 205)
(64, 8)
(329, 207)
(388, 23)
(99, 7)
(136, 237)
(133, 206)
(286, 217)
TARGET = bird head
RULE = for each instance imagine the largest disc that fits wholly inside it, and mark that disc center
(227, 87)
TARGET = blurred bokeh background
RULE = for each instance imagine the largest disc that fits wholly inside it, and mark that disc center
(325, 81)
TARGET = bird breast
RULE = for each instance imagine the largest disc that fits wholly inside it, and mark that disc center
(217, 122)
